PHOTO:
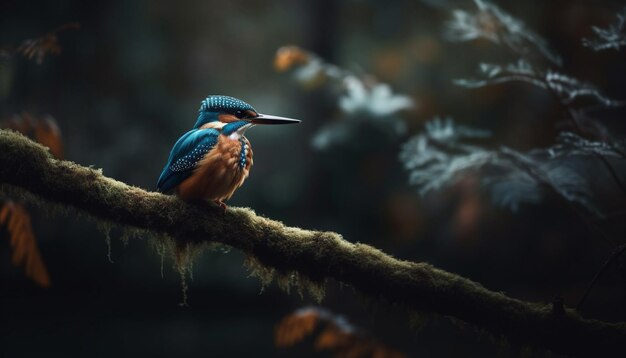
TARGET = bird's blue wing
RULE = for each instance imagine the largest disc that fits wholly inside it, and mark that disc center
(185, 155)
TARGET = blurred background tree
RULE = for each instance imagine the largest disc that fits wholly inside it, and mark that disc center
(129, 82)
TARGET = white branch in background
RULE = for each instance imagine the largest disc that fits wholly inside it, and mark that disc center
(613, 37)
(569, 89)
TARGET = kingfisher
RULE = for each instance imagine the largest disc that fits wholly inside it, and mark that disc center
(213, 159)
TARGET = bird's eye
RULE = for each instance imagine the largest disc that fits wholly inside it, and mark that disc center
(241, 114)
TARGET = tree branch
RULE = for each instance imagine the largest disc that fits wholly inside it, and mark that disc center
(315, 255)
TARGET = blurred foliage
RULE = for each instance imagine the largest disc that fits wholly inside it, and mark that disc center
(47, 44)
(439, 156)
(334, 333)
(361, 99)
(14, 216)
(43, 130)
(16, 219)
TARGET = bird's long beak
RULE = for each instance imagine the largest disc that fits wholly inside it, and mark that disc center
(269, 119)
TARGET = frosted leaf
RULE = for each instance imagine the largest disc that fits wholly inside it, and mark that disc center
(494, 24)
(513, 189)
(571, 185)
(309, 72)
(435, 175)
(569, 144)
(376, 100)
(315, 71)
(613, 37)
(557, 174)
(520, 71)
(438, 157)
(444, 130)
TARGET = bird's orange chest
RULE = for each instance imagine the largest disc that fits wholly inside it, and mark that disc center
(222, 170)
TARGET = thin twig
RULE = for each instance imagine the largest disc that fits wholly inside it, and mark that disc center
(614, 256)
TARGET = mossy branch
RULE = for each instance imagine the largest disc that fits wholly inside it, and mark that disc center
(315, 255)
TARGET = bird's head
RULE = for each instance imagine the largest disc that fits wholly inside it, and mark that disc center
(232, 115)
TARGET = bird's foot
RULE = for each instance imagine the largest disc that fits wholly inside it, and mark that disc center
(221, 204)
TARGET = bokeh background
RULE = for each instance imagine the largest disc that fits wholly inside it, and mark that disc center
(128, 83)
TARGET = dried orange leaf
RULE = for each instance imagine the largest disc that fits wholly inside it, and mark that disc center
(47, 44)
(22, 242)
(293, 328)
(47, 132)
(332, 338)
(44, 130)
(336, 336)
(289, 56)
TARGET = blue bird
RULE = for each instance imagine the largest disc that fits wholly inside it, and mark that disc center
(213, 159)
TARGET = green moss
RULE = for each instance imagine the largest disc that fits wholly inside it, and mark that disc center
(160, 244)
(105, 228)
(129, 233)
(181, 264)
(184, 256)
(284, 280)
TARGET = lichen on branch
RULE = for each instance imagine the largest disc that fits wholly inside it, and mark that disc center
(303, 256)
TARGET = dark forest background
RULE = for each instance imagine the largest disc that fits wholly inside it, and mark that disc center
(129, 82)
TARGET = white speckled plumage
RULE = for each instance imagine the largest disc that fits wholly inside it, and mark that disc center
(224, 103)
